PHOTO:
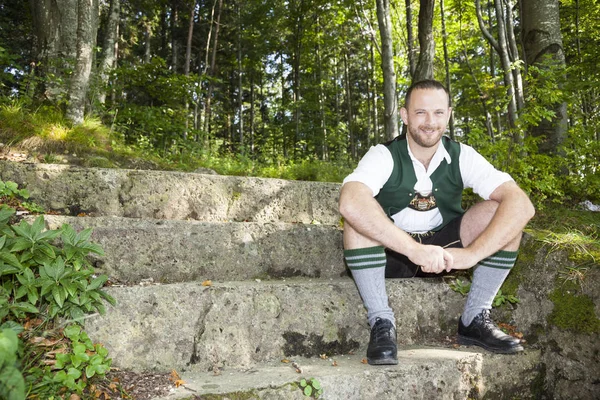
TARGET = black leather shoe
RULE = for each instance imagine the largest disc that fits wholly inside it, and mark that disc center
(483, 332)
(382, 348)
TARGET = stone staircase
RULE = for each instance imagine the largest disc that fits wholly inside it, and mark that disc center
(239, 285)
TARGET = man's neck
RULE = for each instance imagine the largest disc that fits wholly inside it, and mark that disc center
(423, 154)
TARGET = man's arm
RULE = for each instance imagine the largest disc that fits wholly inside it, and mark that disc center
(367, 220)
(513, 212)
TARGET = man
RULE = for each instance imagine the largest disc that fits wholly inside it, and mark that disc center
(402, 209)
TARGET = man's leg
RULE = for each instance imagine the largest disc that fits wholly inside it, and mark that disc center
(488, 277)
(366, 260)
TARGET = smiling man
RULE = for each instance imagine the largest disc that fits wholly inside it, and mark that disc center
(403, 218)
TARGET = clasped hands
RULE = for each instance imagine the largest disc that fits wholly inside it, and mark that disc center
(436, 259)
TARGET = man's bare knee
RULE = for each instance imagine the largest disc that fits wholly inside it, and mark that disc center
(476, 219)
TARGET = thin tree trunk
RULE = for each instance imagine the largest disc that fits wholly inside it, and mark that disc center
(389, 74)
(349, 110)
(174, 42)
(410, 39)
(514, 55)
(240, 79)
(447, 64)
(109, 48)
(376, 131)
(213, 65)
(190, 36)
(87, 17)
(188, 59)
(501, 48)
(424, 69)
(147, 41)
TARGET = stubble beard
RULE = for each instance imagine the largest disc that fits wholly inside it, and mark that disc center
(423, 140)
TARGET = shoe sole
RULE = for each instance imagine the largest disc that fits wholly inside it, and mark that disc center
(383, 361)
(466, 341)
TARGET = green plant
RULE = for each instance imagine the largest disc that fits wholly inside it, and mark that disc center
(311, 388)
(11, 190)
(501, 299)
(463, 287)
(460, 286)
(77, 362)
(12, 384)
(57, 281)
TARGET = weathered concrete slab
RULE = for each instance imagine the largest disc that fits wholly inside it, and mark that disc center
(177, 251)
(238, 324)
(174, 195)
(422, 373)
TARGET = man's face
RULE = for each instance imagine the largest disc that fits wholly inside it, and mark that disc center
(427, 116)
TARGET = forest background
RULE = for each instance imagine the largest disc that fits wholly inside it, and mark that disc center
(300, 89)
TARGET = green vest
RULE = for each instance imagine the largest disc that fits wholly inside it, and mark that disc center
(398, 191)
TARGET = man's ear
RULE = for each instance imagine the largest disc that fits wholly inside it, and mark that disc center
(449, 114)
(404, 115)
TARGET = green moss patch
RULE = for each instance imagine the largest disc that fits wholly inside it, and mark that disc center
(573, 312)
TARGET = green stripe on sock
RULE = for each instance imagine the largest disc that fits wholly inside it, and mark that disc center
(500, 260)
(368, 257)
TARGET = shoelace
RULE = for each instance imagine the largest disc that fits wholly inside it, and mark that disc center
(383, 330)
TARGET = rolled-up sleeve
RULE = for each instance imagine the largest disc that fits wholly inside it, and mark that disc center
(479, 174)
(374, 169)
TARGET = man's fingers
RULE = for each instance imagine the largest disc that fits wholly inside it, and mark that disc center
(448, 260)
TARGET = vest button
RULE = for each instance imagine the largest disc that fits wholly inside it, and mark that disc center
(410, 194)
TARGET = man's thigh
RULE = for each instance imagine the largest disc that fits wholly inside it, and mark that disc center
(399, 266)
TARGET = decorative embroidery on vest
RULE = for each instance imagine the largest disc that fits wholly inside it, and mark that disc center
(422, 202)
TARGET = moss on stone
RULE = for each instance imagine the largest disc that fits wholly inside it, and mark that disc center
(572, 311)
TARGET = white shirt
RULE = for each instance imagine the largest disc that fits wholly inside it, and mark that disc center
(376, 167)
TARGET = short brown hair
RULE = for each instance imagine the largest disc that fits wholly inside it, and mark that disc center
(425, 84)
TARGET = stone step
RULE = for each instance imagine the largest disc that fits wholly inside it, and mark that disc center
(239, 324)
(174, 195)
(170, 251)
(422, 373)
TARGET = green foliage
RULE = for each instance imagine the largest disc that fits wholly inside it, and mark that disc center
(460, 286)
(59, 282)
(311, 388)
(12, 384)
(463, 287)
(11, 189)
(45, 275)
(501, 299)
(78, 362)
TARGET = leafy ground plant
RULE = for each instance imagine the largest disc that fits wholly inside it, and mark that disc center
(311, 388)
(46, 277)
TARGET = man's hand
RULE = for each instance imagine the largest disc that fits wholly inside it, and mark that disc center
(431, 259)
(463, 258)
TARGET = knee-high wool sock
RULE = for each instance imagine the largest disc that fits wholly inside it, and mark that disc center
(488, 277)
(368, 270)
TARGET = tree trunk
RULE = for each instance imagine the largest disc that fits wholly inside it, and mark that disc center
(109, 48)
(543, 47)
(350, 113)
(389, 75)
(188, 58)
(174, 41)
(447, 64)
(87, 28)
(212, 72)
(424, 68)
(240, 79)
(410, 39)
(55, 28)
(501, 48)
(190, 36)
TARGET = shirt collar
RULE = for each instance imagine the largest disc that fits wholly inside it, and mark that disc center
(440, 153)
